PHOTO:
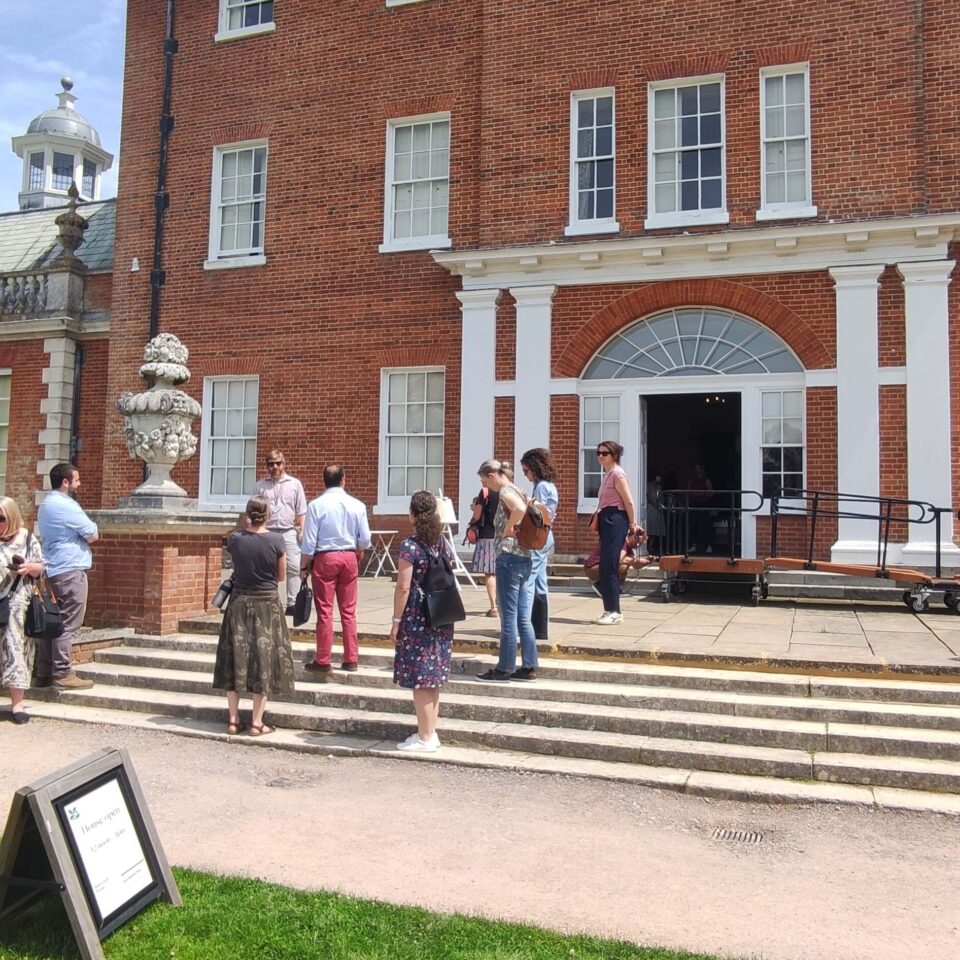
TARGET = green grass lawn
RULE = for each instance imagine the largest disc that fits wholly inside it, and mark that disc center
(230, 918)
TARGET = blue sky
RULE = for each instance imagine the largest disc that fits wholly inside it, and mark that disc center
(43, 40)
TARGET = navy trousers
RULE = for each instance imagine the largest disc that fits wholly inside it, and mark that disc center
(613, 532)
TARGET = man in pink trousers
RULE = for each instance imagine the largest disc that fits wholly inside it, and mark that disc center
(335, 535)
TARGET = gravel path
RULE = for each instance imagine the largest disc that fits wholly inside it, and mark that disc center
(574, 855)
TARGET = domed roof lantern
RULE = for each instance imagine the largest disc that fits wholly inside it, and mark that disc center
(60, 147)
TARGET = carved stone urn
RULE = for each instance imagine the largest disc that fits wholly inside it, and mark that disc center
(157, 422)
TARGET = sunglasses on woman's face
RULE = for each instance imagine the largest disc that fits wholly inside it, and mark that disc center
(604, 453)
(3, 518)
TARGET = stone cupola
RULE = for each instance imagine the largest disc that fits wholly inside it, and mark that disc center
(60, 147)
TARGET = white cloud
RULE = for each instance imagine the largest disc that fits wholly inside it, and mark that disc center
(52, 40)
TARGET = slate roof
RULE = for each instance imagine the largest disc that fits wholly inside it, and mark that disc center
(28, 238)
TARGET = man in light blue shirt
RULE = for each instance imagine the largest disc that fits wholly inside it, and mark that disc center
(334, 537)
(66, 533)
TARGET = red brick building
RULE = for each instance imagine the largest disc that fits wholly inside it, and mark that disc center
(409, 234)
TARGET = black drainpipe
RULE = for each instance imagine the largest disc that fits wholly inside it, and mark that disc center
(158, 275)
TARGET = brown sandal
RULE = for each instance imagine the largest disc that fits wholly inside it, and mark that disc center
(259, 729)
(493, 612)
(233, 726)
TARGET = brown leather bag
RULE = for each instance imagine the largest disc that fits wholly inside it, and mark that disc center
(534, 528)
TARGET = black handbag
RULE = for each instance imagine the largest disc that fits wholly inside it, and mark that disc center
(44, 617)
(442, 603)
(303, 605)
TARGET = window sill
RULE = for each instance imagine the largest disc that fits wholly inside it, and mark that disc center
(586, 228)
(402, 3)
(221, 36)
(220, 506)
(391, 508)
(786, 213)
(235, 263)
(692, 218)
(416, 243)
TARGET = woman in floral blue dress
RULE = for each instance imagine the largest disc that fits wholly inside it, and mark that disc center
(422, 661)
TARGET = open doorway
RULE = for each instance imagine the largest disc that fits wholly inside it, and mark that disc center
(687, 429)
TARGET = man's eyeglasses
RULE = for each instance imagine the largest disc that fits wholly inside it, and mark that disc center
(274, 463)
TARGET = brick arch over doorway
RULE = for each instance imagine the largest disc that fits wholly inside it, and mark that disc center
(692, 293)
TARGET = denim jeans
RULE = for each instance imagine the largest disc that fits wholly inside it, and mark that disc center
(515, 599)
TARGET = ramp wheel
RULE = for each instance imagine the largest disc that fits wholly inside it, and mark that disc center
(764, 590)
(950, 600)
(919, 604)
(908, 598)
(755, 596)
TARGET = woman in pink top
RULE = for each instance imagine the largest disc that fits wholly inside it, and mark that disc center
(617, 517)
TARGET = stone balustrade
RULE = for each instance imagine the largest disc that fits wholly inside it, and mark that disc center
(23, 294)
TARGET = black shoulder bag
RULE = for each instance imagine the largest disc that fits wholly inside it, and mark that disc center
(44, 617)
(442, 603)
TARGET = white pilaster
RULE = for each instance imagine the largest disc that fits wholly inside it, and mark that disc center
(928, 405)
(477, 376)
(858, 405)
(54, 437)
(533, 346)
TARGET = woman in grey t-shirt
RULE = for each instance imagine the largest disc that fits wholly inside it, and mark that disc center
(253, 653)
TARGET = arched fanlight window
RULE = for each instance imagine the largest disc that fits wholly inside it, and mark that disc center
(691, 342)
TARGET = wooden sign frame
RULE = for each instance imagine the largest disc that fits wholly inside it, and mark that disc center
(86, 833)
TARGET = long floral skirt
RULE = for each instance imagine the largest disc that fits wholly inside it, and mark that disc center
(253, 654)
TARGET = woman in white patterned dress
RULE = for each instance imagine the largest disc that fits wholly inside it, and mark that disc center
(21, 562)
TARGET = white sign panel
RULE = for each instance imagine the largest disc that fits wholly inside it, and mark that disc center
(108, 846)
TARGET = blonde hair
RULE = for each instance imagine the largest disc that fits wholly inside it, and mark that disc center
(496, 466)
(11, 510)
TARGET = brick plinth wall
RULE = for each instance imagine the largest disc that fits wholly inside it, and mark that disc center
(149, 576)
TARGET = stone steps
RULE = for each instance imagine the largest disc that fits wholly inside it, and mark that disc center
(666, 725)
(647, 674)
(566, 719)
(556, 685)
(681, 780)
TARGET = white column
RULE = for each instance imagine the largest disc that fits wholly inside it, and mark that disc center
(750, 472)
(477, 376)
(533, 352)
(858, 404)
(928, 405)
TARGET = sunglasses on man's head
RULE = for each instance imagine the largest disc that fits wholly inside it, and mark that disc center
(274, 463)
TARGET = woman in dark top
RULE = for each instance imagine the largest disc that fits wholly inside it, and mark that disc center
(484, 558)
(253, 655)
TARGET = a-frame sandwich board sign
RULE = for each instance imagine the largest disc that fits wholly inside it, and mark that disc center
(85, 833)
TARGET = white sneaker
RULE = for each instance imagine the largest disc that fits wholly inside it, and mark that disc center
(409, 740)
(608, 617)
(416, 745)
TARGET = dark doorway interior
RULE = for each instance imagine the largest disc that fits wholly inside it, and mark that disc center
(690, 428)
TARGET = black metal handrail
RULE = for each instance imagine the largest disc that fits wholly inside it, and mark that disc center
(828, 504)
(676, 507)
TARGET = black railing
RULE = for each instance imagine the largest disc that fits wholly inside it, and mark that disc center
(817, 505)
(688, 516)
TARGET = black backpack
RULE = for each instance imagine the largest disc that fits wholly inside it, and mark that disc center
(442, 603)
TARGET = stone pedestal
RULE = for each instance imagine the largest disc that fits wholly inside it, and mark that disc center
(153, 568)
